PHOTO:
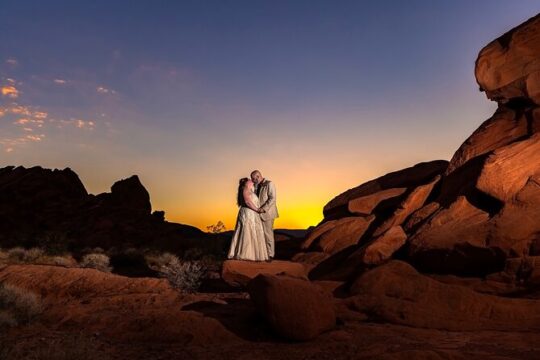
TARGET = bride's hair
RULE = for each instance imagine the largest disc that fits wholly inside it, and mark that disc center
(240, 196)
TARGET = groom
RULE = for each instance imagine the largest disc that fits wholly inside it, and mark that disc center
(266, 191)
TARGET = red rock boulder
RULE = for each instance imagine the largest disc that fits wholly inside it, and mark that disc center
(296, 309)
(397, 293)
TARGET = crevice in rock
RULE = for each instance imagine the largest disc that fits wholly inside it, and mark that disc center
(519, 103)
(530, 121)
(485, 202)
(463, 260)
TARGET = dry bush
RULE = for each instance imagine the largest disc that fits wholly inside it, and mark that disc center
(96, 261)
(16, 254)
(185, 276)
(19, 255)
(157, 261)
(3, 256)
(61, 261)
(18, 305)
(33, 255)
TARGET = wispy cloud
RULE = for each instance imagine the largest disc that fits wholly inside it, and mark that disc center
(12, 62)
(9, 91)
(27, 124)
(60, 81)
(78, 123)
(35, 137)
(104, 90)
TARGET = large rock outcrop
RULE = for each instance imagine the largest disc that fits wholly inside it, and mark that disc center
(388, 186)
(397, 293)
(470, 215)
(117, 307)
(508, 68)
(496, 169)
(52, 209)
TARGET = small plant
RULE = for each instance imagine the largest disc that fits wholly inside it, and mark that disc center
(19, 255)
(96, 261)
(156, 261)
(16, 254)
(184, 276)
(216, 228)
(33, 255)
(60, 261)
(17, 305)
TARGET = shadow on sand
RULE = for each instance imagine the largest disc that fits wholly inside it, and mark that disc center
(238, 316)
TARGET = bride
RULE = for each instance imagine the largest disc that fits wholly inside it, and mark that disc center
(248, 239)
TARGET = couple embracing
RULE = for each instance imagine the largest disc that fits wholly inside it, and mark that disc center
(253, 237)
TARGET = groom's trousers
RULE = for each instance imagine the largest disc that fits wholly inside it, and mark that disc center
(268, 226)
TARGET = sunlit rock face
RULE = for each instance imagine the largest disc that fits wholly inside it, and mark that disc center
(384, 190)
(508, 68)
(467, 216)
(495, 171)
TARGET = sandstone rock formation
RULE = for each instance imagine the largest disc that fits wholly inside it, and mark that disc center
(117, 307)
(496, 169)
(240, 273)
(51, 208)
(382, 247)
(508, 68)
(467, 216)
(295, 308)
(397, 293)
(345, 232)
(410, 177)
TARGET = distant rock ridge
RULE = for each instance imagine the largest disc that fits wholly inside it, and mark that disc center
(44, 207)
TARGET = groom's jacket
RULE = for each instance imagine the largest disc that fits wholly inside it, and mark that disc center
(267, 199)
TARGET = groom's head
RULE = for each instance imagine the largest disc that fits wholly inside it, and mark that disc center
(256, 176)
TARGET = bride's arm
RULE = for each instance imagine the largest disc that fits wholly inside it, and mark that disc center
(247, 199)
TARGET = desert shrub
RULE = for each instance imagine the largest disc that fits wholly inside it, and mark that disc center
(96, 261)
(157, 260)
(185, 276)
(97, 250)
(21, 255)
(60, 261)
(16, 254)
(216, 228)
(3, 256)
(18, 305)
(211, 262)
(34, 254)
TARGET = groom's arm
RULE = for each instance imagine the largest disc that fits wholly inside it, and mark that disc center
(271, 201)
(247, 200)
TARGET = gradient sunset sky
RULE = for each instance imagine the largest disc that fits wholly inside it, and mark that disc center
(321, 96)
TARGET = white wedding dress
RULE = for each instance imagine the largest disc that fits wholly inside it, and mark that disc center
(248, 241)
